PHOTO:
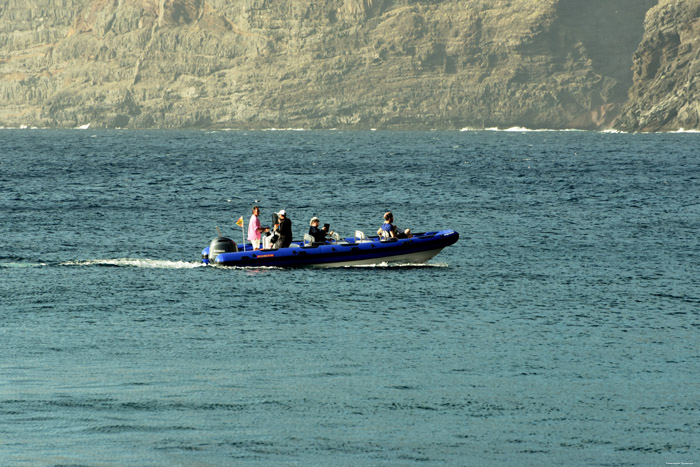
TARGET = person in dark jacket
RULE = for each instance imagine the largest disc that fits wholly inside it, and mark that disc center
(285, 230)
(318, 234)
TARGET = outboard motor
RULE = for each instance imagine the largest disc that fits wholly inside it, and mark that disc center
(221, 245)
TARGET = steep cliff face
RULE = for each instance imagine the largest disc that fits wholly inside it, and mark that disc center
(317, 63)
(666, 91)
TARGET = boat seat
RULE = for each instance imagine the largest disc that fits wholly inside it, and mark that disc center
(360, 237)
(308, 240)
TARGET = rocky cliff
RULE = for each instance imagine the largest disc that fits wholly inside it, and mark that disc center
(666, 91)
(347, 63)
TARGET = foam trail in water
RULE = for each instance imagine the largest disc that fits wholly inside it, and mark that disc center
(22, 265)
(137, 263)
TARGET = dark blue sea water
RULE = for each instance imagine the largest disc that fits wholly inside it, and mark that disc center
(561, 329)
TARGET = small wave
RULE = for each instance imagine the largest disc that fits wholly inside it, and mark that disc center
(684, 298)
(284, 129)
(136, 263)
(518, 129)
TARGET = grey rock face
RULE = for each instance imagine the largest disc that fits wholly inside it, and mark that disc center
(666, 90)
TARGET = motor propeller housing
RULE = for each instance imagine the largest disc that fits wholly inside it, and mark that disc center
(221, 245)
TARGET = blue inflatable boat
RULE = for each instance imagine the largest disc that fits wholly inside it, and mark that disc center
(353, 251)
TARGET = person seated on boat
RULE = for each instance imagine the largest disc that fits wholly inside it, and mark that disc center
(320, 234)
(389, 230)
(284, 231)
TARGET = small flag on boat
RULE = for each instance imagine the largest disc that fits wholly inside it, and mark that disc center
(239, 222)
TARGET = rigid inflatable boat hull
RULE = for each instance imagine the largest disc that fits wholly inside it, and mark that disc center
(351, 252)
(411, 258)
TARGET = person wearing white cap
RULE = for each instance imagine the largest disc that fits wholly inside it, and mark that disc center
(285, 230)
(318, 234)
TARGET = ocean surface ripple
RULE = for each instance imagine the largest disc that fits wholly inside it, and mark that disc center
(561, 329)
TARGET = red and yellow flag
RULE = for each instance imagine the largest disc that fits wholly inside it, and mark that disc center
(239, 222)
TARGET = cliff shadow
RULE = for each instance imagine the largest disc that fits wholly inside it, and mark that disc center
(610, 32)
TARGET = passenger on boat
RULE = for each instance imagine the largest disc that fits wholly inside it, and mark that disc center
(254, 228)
(285, 230)
(318, 234)
(389, 230)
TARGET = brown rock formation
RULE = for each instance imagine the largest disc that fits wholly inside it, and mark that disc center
(320, 64)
